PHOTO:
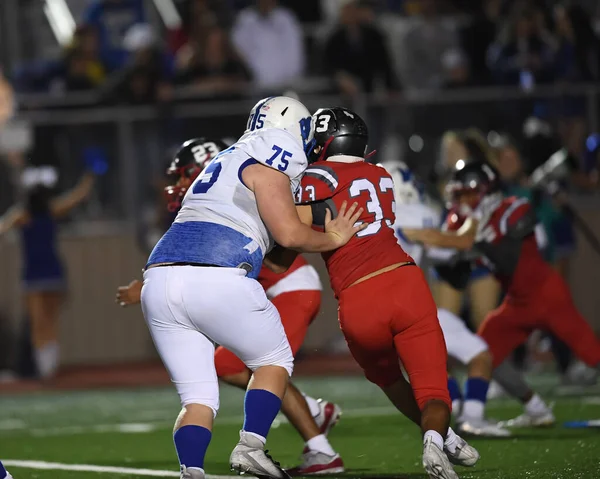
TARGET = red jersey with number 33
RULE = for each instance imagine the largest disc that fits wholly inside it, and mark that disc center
(352, 180)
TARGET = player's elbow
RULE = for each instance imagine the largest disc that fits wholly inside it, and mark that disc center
(288, 238)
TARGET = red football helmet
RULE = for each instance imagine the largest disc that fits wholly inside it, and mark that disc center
(469, 184)
(191, 158)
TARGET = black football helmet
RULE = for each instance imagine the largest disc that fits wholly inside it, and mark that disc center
(338, 131)
(189, 161)
(478, 178)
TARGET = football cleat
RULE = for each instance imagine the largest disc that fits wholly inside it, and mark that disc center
(481, 427)
(315, 462)
(329, 415)
(464, 454)
(191, 473)
(249, 457)
(436, 462)
(545, 419)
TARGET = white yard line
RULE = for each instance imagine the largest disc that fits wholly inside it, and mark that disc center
(150, 426)
(57, 466)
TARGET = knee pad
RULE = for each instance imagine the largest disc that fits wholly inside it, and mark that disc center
(205, 393)
(282, 357)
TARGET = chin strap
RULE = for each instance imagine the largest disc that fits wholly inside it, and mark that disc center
(369, 155)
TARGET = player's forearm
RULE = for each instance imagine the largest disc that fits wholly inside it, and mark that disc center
(304, 239)
(441, 239)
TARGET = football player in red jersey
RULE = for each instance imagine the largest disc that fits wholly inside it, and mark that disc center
(386, 311)
(502, 232)
(296, 293)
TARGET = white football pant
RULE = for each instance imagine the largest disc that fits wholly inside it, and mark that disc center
(190, 308)
(461, 343)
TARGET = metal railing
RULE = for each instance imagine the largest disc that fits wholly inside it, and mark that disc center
(136, 139)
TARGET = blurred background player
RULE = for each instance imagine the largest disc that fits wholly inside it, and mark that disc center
(237, 207)
(502, 232)
(296, 293)
(482, 293)
(382, 324)
(44, 275)
(463, 345)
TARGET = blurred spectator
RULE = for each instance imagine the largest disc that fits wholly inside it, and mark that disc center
(198, 16)
(271, 44)
(79, 67)
(425, 44)
(356, 52)
(576, 61)
(307, 11)
(145, 78)
(83, 69)
(112, 19)
(524, 52)
(7, 104)
(477, 37)
(514, 172)
(456, 69)
(213, 67)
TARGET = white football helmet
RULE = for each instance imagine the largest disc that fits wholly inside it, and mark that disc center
(286, 114)
(407, 189)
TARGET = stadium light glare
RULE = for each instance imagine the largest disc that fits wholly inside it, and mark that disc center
(168, 13)
(60, 19)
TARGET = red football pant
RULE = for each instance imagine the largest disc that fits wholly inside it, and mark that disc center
(297, 310)
(550, 309)
(390, 317)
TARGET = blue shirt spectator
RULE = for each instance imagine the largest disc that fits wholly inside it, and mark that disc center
(113, 18)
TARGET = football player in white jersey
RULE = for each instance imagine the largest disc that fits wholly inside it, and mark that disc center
(200, 283)
(463, 345)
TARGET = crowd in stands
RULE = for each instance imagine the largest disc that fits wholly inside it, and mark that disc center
(221, 46)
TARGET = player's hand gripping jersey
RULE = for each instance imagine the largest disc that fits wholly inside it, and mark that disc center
(350, 179)
(219, 222)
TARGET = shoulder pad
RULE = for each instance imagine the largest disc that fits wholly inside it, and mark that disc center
(276, 149)
(319, 182)
(519, 220)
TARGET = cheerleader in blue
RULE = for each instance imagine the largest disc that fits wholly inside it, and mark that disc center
(44, 276)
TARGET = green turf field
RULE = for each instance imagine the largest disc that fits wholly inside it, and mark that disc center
(132, 430)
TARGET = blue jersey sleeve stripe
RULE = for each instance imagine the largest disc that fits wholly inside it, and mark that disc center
(248, 162)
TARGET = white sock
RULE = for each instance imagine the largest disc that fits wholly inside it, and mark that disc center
(451, 441)
(536, 406)
(320, 444)
(313, 405)
(194, 468)
(46, 359)
(435, 438)
(456, 407)
(472, 409)
(257, 436)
